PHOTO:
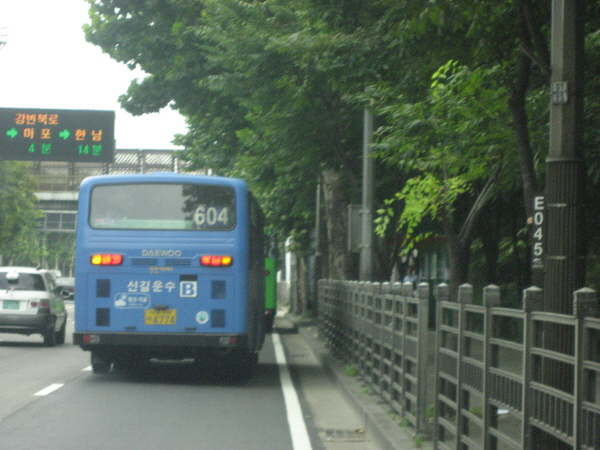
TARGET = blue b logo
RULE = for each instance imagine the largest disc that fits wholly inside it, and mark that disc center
(188, 288)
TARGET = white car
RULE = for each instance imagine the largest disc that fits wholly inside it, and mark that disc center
(29, 304)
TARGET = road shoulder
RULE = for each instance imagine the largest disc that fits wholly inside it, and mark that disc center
(379, 424)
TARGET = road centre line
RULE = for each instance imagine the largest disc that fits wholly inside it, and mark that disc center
(49, 389)
(297, 426)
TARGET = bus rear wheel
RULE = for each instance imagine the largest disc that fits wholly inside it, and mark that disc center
(269, 321)
(100, 365)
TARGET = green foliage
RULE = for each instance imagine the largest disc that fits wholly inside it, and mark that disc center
(60, 249)
(18, 215)
(255, 80)
(419, 440)
(452, 142)
(351, 370)
(273, 92)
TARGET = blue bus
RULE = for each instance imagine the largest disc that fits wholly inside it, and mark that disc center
(169, 266)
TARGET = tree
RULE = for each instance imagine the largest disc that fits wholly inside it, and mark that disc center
(457, 144)
(258, 104)
(60, 249)
(274, 91)
(18, 215)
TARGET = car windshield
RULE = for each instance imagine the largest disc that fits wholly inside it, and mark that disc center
(25, 282)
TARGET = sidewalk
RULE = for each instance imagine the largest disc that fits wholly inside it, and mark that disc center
(382, 425)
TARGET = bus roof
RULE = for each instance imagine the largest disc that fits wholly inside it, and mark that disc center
(164, 177)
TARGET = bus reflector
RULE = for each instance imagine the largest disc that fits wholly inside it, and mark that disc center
(107, 259)
(216, 261)
(90, 339)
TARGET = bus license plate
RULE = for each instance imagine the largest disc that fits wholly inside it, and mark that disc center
(10, 304)
(161, 317)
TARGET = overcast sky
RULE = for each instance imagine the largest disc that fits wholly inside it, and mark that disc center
(47, 63)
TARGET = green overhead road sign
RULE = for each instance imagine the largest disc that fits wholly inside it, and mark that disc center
(57, 135)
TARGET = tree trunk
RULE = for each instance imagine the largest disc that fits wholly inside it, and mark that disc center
(534, 50)
(516, 104)
(458, 257)
(336, 220)
(491, 252)
(302, 285)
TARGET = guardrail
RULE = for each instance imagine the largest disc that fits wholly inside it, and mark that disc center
(496, 378)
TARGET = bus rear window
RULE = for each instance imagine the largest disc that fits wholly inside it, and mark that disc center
(162, 206)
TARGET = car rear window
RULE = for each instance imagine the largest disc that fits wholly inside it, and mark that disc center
(163, 206)
(25, 282)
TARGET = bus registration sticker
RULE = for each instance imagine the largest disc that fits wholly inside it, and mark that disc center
(161, 317)
(127, 300)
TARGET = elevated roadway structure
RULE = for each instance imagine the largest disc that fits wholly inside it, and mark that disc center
(59, 181)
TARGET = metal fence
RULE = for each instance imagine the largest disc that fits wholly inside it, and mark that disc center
(382, 329)
(488, 377)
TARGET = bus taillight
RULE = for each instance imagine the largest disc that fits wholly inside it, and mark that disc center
(107, 259)
(216, 261)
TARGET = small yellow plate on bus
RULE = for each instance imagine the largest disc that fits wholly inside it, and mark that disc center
(161, 316)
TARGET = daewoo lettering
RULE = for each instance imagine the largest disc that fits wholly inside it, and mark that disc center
(162, 253)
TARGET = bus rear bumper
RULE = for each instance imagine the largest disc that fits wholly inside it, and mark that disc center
(159, 342)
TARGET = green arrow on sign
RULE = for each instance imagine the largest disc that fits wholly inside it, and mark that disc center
(64, 134)
(12, 133)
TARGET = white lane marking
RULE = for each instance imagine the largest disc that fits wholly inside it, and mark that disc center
(49, 389)
(300, 439)
(87, 369)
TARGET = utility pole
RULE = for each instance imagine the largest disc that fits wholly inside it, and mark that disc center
(565, 172)
(366, 241)
(565, 188)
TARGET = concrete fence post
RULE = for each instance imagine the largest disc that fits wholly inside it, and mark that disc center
(442, 295)
(585, 305)
(465, 297)
(533, 300)
(377, 337)
(423, 345)
(491, 299)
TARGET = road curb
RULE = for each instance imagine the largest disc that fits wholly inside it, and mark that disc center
(381, 424)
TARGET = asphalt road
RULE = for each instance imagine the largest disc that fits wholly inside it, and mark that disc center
(50, 399)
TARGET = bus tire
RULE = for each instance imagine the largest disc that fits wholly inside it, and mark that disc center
(99, 365)
(269, 322)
